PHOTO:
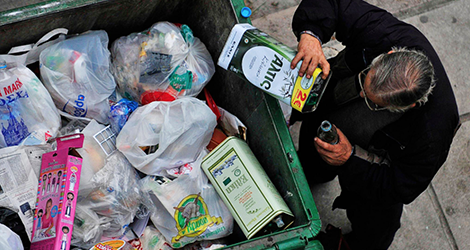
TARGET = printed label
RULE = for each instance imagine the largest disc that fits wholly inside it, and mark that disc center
(302, 88)
(269, 71)
(109, 245)
(77, 108)
(241, 191)
(192, 217)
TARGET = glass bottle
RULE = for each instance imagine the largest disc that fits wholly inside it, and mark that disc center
(327, 133)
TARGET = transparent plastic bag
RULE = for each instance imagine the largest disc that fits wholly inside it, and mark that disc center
(165, 135)
(88, 227)
(115, 194)
(160, 64)
(188, 207)
(76, 72)
(9, 240)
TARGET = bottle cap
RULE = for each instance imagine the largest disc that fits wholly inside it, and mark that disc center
(246, 12)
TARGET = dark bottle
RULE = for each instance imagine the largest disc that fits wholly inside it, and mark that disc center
(327, 133)
(277, 224)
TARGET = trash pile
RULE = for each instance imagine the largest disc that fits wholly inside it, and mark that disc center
(109, 143)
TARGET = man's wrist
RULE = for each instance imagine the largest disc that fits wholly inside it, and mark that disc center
(312, 34)
(353, 151)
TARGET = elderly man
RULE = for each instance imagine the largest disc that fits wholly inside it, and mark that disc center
(393, 105)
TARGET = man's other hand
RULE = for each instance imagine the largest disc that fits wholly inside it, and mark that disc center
(310, 51)
(335, 155)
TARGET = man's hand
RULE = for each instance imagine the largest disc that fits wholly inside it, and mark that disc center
(310, 51)
(335, 155)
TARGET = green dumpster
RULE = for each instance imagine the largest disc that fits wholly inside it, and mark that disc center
(211, 20)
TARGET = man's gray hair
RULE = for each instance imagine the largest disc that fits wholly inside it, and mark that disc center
(402, 78)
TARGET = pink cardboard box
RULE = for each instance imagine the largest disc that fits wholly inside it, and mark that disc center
(58, 187)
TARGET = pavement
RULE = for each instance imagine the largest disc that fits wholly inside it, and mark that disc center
(439, 217)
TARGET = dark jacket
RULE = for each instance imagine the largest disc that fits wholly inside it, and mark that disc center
(418, 143)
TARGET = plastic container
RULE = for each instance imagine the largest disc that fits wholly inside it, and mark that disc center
(211, 21)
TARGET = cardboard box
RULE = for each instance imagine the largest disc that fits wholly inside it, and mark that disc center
(57, 191)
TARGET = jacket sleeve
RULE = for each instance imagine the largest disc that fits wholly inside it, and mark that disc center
(352, 20)
(368, 178)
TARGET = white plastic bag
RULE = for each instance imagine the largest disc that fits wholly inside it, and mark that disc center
(161, 64)
(27, 112)
(76, 73)
(188, 208)
(9, 240)
(174, 133)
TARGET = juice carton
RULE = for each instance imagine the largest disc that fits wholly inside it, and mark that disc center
(57, 192)
(265, 62)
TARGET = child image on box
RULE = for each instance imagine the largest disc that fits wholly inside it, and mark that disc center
(63, 244)
(45, 222)
(58, 181)
(44, 179)
(68, 207)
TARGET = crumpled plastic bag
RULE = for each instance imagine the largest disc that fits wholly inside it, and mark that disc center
(27, 113)
(115, 195)
(77, 74)
(189, 208)
(88, 227)
(165, 135)
(9, 240)
(152, 239)
(160, 64)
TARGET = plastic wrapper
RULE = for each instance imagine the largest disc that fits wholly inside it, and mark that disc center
(231, 125)
(120, 112)
(77, 74)
(27, 112)
(115, 195)
(72, 127)
(9, 240)
(152, 239)
(188, 207)
(165, 135)
(113, 245)
(160, 64)
(88, 227)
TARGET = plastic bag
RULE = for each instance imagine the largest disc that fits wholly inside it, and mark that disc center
(76, 73)
(171, 133)
(115, 194)
(161, 64)
(88, 227)
(27, 112)
(189, 208)
(9, 240)
(152, 239)
(94, 158)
